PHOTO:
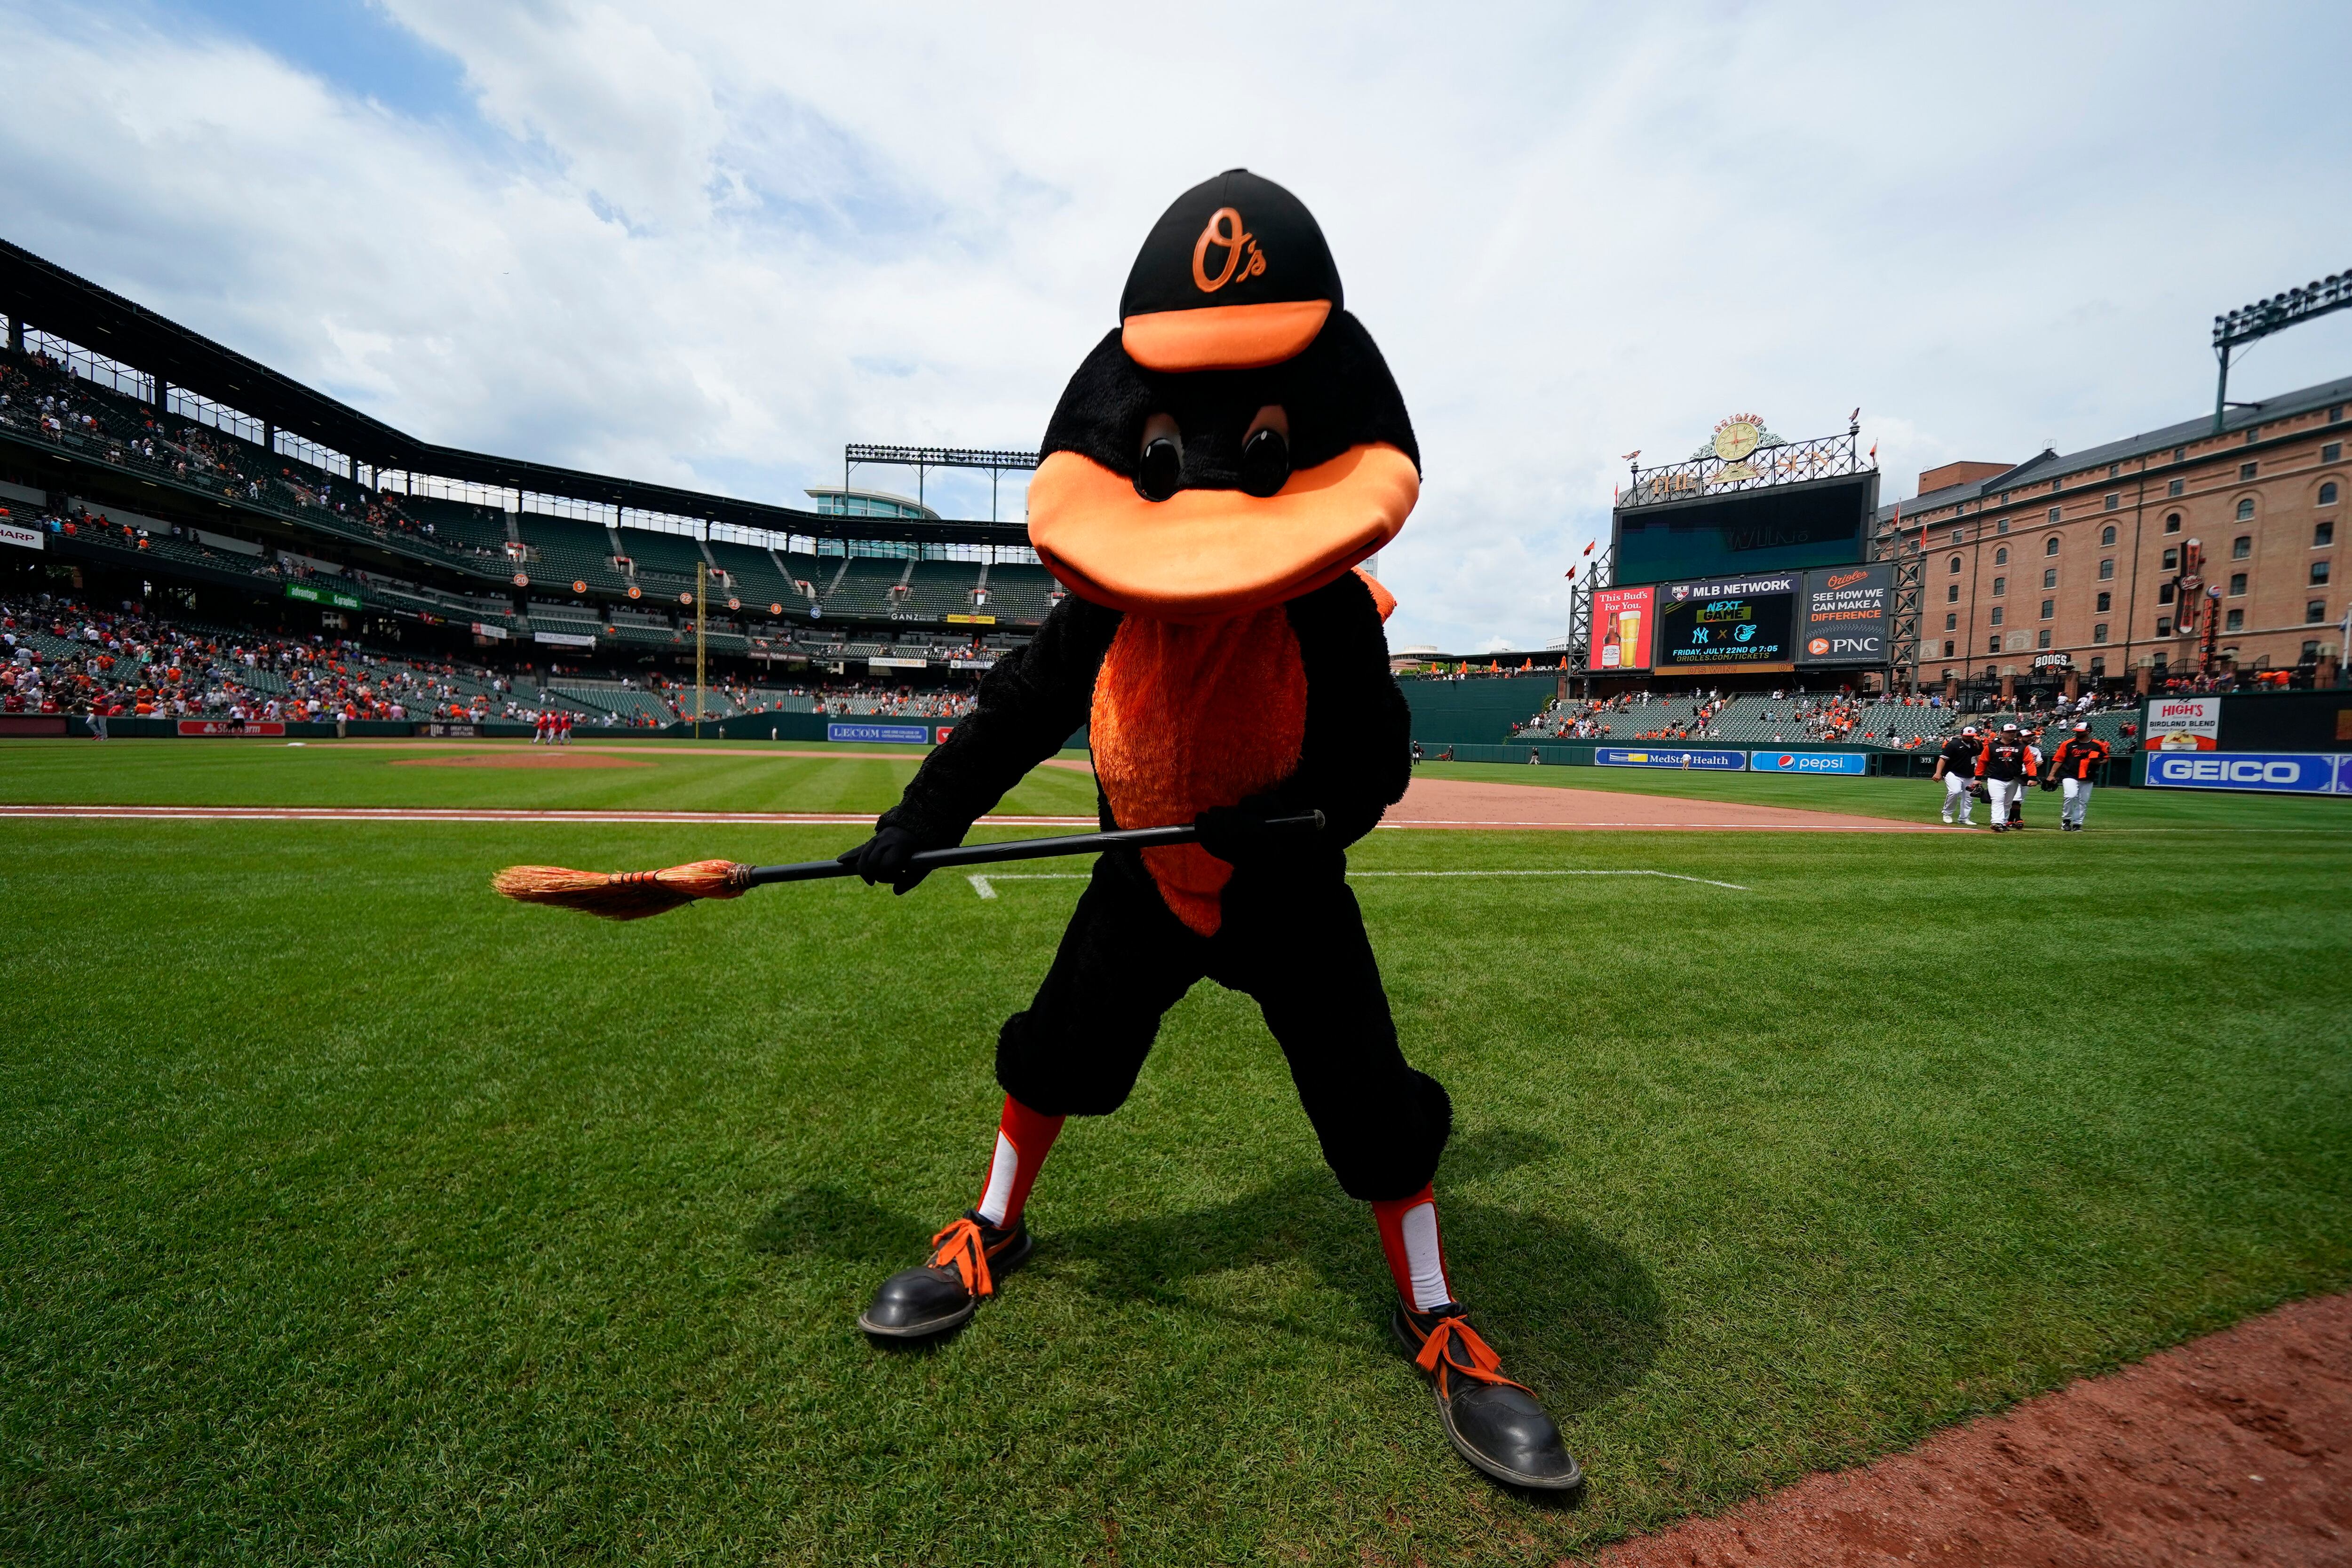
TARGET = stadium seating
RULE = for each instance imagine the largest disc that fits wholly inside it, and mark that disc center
(564, 551)
(866, 589)
(1018, 593)
(942, 587)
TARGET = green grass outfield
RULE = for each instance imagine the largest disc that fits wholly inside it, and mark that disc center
(349, 1215)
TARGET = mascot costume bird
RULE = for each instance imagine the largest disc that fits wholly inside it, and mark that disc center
(1218, 466)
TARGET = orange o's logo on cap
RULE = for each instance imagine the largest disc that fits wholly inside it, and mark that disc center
(1224, 230)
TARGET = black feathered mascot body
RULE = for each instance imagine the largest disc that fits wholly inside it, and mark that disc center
(1216, 469)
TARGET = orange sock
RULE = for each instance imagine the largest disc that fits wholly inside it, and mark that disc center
(1023, 1138)
(1415, 1252)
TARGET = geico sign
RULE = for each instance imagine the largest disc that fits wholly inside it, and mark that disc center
(2241, 772)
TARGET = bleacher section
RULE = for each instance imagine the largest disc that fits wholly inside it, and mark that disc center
(866, 588)
(566, 550)
(752, 576)
(456, 523)
(942, 587)
(1018, 593)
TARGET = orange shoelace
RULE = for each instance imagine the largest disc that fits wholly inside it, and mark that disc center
(960, 1247)
(1481, 1362)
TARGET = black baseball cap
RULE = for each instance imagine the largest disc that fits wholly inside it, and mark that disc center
(1235, 275)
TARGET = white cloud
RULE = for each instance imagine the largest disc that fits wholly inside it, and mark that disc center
(707, 243)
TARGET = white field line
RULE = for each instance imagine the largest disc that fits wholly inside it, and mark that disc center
(986, 885)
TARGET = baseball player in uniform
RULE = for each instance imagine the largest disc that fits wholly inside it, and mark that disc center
(2072, 765)
(2006, 770)
(1957, 768)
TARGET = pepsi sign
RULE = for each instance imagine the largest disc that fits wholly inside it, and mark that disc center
(1848, 762)
(2280, 771)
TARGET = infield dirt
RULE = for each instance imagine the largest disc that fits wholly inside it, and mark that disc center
(2228, 1449)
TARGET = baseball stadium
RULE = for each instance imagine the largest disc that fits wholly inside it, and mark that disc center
(1875, 1009)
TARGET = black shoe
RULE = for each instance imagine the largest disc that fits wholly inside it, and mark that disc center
(967, 1259)
(1493, 1422)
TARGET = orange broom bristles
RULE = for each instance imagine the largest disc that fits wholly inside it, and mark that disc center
(622, 894)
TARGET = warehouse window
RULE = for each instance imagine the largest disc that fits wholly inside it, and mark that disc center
(2114, 469)
(2241, 547)
(2107, 535)
(2323, 533)
(1996, 614)
(2054, 514)
(2050, 576)
(2107, 569)
(2254, 434)
(2316, 612)
(1951, 622)
(2113, 500)
(2050, 544)
(2163, 629)
(2237, 585)
(2175, 486)
(2099, 633)
(1959, 536)
(2041, 639)
(2172, 522)
(2331, 453)
(2099, 666)
(1954, 564)
(2235, 620)
(1993, 644)
(2106, 603)
(2327, 494)
(2002, 527)
(2000, 585)
(2164, 593)
(2048, 608)
(2318, 572)
(2172, 560)
(1952, 594)
(2000, 556)
(2246, 470)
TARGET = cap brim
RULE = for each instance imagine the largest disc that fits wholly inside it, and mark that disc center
(1201, 554)
(1224, 336)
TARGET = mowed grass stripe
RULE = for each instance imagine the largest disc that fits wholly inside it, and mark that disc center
(351, 1213)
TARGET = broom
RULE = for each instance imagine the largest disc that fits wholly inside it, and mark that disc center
(634, 894)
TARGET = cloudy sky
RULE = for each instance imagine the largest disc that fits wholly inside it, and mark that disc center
(708, 243)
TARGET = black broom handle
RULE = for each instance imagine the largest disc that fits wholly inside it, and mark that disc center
(1021, 850)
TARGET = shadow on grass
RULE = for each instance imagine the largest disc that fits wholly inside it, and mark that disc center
(1573, 1314)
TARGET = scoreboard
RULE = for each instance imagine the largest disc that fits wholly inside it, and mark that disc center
(1791, 528)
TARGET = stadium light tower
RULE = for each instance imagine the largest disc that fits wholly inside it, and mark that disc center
(2276, 314)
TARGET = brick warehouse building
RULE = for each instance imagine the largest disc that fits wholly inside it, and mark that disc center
(2073, 565)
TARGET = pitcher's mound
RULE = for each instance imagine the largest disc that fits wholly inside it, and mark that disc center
(523, 760)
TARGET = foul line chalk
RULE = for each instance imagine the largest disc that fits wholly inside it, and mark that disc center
(986, 886)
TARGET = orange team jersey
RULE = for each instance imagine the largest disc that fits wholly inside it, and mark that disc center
(2075, 759)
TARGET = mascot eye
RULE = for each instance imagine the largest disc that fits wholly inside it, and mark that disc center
(1265, 452)
(1162, 462)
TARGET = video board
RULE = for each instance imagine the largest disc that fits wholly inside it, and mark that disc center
(1787, 528)
(1727, 622)
(1844, 615)
(1621, 618)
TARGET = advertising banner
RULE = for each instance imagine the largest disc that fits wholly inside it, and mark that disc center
(2286, 773)
(1846, 762)
(1729, 622)
(564, 639)
(1844, 616)
(1702, 761)
(885, 733)
(310, 595)
(2183, 724)
(1621, 620)
(940, 733)
(443, 729)
(880, 662)
(230, 726)
(22, 538)
(498, 634)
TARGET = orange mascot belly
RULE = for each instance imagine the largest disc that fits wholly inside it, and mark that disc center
(1190, 716)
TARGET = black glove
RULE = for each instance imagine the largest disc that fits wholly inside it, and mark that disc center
(2049, 783)
(1238, 834)
(887, 856)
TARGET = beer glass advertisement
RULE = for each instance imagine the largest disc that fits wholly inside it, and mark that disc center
(1845, 615)
(1621, 628)
(1732, 622)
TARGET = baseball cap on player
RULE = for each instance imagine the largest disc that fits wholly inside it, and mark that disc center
(2082, 729)
(1234, 274)
(2007, 728)
(1968, 729)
